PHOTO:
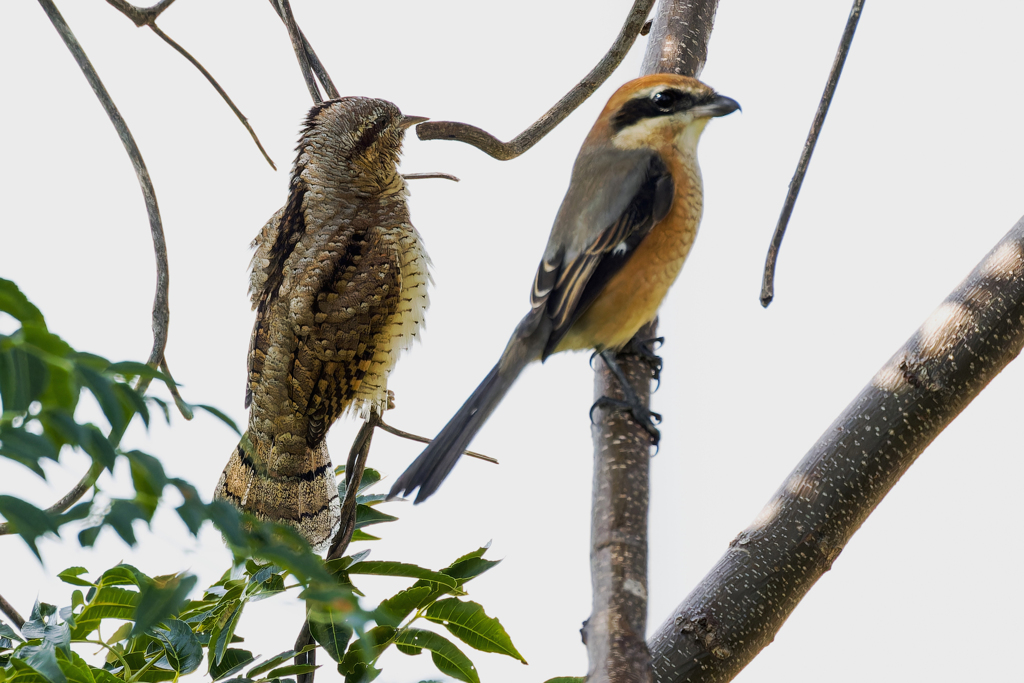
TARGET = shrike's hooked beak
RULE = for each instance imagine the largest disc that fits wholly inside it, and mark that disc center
(719, 106)
(410, 121)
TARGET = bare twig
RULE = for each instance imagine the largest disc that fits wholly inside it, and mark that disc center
(299, 45)
(147, 17)
(768, 280)
(142, 16)
(161, 312)
(314, 61)
(12, 614)
(743, 601)
(487, 143)
(216, 86)
(422, 439)
(424, 176)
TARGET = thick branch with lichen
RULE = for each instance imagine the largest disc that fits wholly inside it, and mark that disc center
(741, 604)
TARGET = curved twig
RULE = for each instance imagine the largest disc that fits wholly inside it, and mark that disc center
(140, 15)
(147, 17)
(422, 439)
(768, 280)
(216, 86)
(12, 614)
(161, 311)
(487, 143)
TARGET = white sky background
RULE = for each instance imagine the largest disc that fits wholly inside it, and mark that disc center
(917, 175)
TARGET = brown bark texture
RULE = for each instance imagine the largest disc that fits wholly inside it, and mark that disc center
(740, 605)
(615, 631)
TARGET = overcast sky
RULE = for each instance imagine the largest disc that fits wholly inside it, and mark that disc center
(917, 175)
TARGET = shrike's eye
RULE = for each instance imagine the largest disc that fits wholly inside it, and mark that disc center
(666, 99)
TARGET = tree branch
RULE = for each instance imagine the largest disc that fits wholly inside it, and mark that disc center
(142, 16)
(768, 280)
(615, 631)
(741, 604)
(487, 143)
(302, 50)
(314, 61)
(12, 614)
(679, 37)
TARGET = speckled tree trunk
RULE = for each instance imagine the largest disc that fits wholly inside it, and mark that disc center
(615, 631)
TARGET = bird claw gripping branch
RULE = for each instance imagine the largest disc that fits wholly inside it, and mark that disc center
(339, 284)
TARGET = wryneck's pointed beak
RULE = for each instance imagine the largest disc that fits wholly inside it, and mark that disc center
(410, 121)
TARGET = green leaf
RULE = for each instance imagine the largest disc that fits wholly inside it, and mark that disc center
(109, 602)
(370, 477)
(470, 569)
(102, 388)
(161, 599)
(97, 446)
(385, 568)
(57, 634)
(276, 660)
(26, 520)
(448, 658)
(292, 669)
(8, 632)
(26, 448)
(234, 661)
(71, 574)
(43, 658)
(121, 516)
(192, 510)
(181, 648)
(132, 401)
(219, 415)
(366, 515)
(13, 302)
(468, 622)
(223, 633)
(362, 673)
(74, 667)
(360, 535)
(366, 649)
(23, 378)
(123, 575)
(329, 629)
(130, 368)
(394, 610)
